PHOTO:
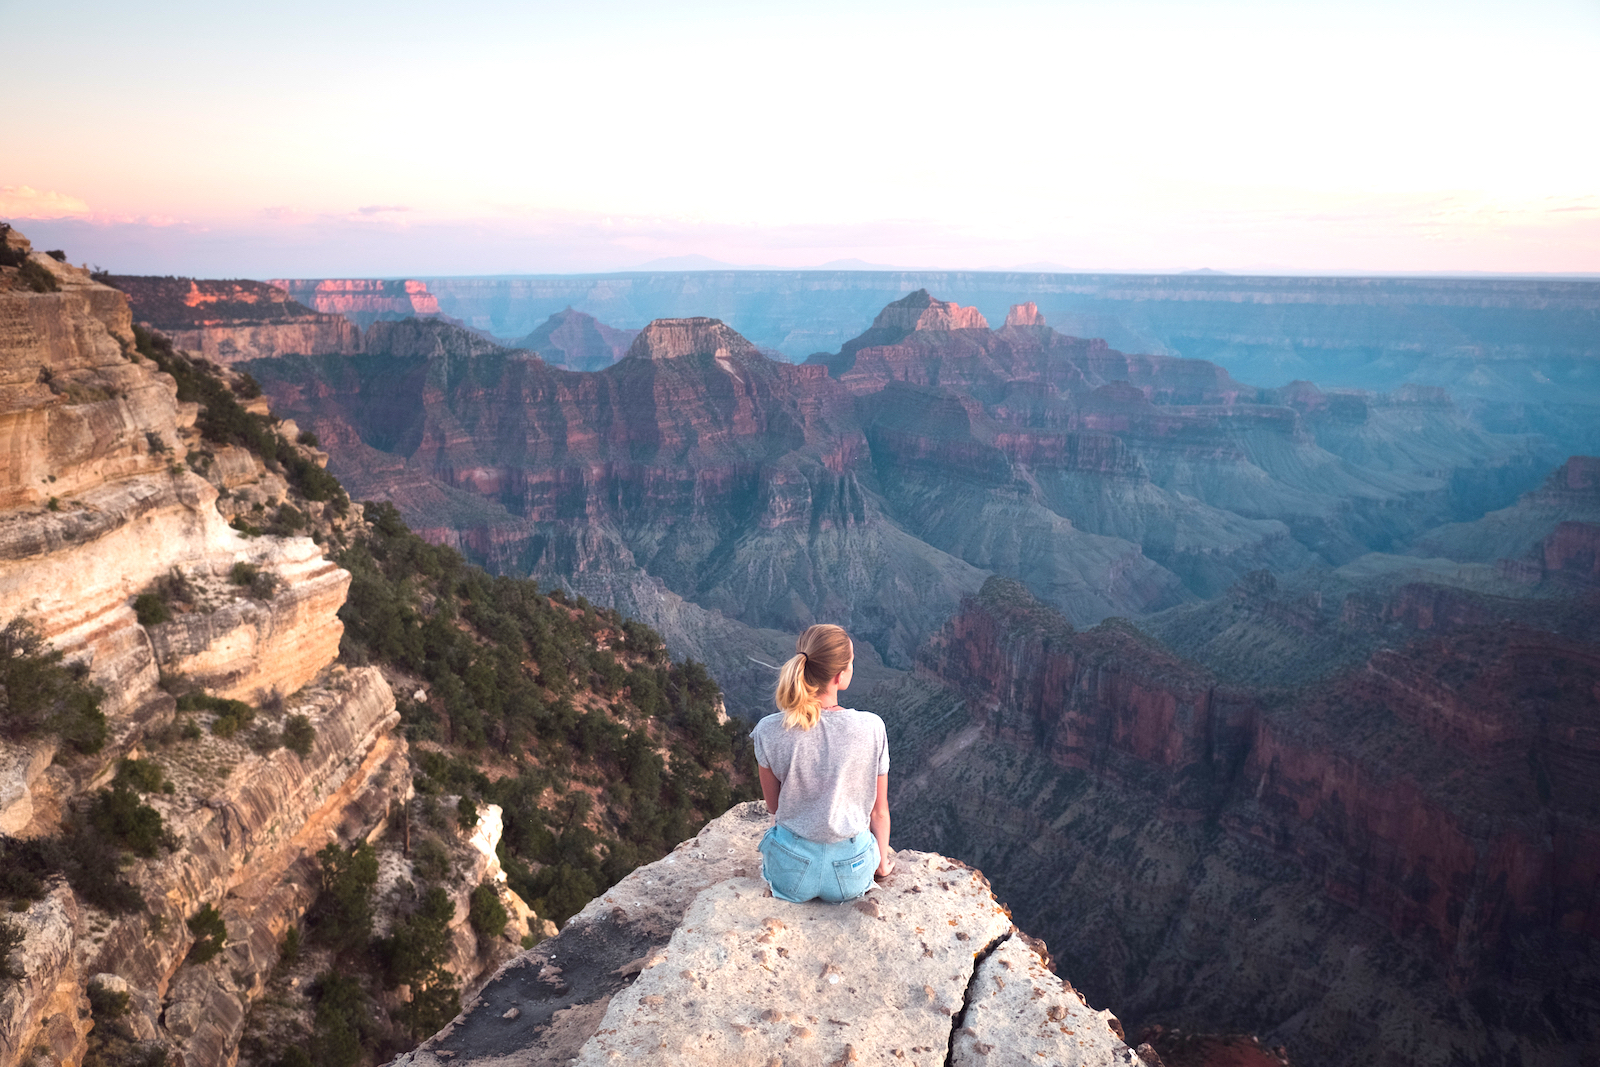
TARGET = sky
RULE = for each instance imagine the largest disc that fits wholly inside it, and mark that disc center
(392, 139)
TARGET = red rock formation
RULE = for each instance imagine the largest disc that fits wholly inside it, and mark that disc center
(229, 321)
(1024, 315)
(1362, 782)
(920, 311)
(1574, 548)
(362, 300)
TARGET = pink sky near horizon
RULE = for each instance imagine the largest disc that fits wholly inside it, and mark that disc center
(391, 139)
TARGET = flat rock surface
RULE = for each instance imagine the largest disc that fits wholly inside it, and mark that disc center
(1018, 1012)
(690, 960)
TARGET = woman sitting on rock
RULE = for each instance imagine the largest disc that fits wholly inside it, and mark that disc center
(825, 774)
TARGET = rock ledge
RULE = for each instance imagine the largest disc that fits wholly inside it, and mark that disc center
(690, 960)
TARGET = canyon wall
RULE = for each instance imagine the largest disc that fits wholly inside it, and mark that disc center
(363, 301)
(577, 341)
(107, 491)
(228, 321)
(1393, 865)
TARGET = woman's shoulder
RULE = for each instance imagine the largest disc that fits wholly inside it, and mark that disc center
(864, 719)
(768, 724)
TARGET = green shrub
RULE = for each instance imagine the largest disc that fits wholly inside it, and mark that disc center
(106, 1004)
(307, 438)
(151, 609)
(414, 955)
(54, 503)
(263, 585)
(289, 947)
(466, 814)
(294, 1056)
(144, 775)
(26, 864)
(344, 1022)
(44, 696)
(265, 739)
(299, 736)
(37, 278)
(232, 715)
(430, 860)
(211, 934)
(119, 815)
(486, 913)
(289, 519)
(92, 861)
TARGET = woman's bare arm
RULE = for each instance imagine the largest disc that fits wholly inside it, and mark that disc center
(879, 822)
(770, 787)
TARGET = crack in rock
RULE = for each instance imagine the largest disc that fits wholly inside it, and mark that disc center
(959, 1020)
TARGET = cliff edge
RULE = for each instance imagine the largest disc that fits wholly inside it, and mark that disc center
(690, 960)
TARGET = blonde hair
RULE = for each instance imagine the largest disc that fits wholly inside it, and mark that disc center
(820, 655)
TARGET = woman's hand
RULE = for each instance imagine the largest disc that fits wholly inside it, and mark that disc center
(885, 869)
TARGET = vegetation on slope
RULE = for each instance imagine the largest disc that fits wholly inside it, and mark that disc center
(601, 752)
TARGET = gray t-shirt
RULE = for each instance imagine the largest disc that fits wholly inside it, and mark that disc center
(829, 772)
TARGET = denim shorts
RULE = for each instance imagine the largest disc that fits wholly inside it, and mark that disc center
(799, 869)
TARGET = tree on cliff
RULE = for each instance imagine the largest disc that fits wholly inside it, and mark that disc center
(39, 694)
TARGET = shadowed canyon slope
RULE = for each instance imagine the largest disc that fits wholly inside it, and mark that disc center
(1396, 865)
(879, 485)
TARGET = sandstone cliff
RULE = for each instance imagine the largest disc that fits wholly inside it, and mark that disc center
(229, 321)
(109, 491)
(362, 301)
(690, 960)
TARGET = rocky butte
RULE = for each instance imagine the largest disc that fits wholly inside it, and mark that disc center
(577, 341)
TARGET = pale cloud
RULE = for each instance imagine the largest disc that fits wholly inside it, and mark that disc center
(26, 202)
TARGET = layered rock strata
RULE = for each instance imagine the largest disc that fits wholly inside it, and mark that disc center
(1409, 842)
(690, 960)
(228, 321)
(877, 487)
(362, 301)
(98, 508)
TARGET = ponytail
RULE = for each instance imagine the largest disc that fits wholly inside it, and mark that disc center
(821, 654)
